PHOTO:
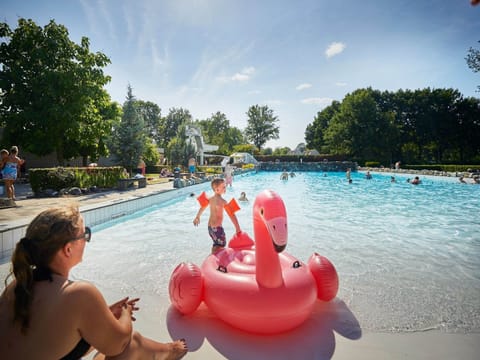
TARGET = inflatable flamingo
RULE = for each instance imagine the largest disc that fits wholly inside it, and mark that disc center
(255, 286)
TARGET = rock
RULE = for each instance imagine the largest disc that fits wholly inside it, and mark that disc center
(75, 191)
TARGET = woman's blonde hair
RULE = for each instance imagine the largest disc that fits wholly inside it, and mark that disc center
(48, 232)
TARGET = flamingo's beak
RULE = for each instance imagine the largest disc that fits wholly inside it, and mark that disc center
(277, 228)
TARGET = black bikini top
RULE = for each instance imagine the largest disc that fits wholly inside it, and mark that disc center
(78, 351)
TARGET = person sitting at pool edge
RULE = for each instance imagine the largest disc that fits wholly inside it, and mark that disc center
(45, 315)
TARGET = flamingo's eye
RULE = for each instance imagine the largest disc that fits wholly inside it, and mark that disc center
(261, 211)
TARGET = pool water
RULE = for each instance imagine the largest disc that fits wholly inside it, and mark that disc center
(407, 256)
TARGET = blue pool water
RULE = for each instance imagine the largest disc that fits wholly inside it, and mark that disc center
(407, 256)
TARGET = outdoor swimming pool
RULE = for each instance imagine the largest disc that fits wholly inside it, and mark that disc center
(407, 256)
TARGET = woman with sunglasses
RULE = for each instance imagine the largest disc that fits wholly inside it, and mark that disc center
(44, 315)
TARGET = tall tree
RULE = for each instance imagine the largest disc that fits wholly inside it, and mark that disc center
(359, 128)
(473, 61)
(50, 87)
(216, 130)
(172, 134)
(151, 114)
(179, 149)
(95, 130)
(129, 138)
(315, 131)
(170, 125)
(261, 125)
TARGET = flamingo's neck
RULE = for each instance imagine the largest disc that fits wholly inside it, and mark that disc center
(268, 269)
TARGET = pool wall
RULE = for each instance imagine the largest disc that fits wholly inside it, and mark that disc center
(95, 215)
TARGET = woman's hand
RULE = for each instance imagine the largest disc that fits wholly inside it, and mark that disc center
(122, 305)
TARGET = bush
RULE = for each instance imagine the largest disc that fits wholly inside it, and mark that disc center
(210, 169)
(62, 178)
(372, 164)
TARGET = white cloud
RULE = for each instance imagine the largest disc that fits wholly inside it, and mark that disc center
(244, 75)
(317, 101)
(303, 86)
(335, 48)
(241, 76)
(341, 84)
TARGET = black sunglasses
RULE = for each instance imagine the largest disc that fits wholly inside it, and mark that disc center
(87, 235)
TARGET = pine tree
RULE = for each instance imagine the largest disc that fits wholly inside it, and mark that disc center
(129, 138)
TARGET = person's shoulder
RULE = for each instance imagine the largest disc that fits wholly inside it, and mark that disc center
(81, 291)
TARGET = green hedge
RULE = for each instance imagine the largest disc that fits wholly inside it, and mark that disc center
(372, 164)
(82, 177)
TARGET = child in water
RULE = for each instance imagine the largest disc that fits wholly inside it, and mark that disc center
(243, 196)
(217, 204)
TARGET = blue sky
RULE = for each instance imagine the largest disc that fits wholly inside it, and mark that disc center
(294, 56)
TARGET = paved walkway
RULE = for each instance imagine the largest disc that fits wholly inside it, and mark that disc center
(28, 207)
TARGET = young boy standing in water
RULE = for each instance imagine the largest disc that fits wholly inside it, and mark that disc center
(217, 204)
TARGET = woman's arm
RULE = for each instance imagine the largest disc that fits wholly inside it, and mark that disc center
(107, 330)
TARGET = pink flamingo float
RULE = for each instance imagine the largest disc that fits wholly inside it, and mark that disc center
(255, 286)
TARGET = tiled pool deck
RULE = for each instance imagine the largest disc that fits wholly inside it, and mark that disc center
(96, 209)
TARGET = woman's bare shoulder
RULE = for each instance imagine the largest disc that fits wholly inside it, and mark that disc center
(83, 291)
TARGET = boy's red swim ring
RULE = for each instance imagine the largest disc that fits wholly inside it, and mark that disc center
(255, 286)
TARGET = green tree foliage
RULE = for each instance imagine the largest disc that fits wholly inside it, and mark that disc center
(413, 126)
(216, 130)
(173, 138)
(315, 131)
(473, 60)
(129, 138)
(267, 151)
(179, 149)
(247, 148)
(96, 125)
(281, 151)
(261, 125)
(170, 125)
(152, 118)
(355, 125)
(150, 152)
(52, 92)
